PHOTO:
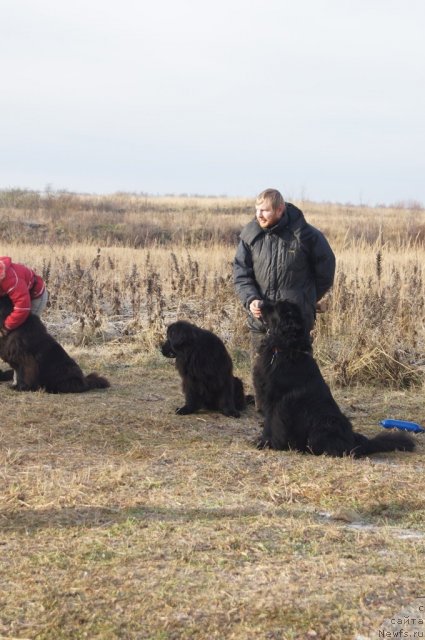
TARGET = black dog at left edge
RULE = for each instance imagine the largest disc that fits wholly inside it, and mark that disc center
(299, 410)
(39, 360)
(206, 370)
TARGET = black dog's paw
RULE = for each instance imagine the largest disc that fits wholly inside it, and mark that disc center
(231, 413)
(249, 399)
(6, 376)
(19, 387)
(184, 411)
(22, 386)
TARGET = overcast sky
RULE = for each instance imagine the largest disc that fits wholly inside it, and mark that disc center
(322, 99)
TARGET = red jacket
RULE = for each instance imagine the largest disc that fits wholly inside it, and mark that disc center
(22, 285)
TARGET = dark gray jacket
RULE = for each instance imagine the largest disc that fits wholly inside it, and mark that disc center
(291, 260)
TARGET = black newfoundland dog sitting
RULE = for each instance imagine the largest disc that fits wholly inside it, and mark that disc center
(39, 360)
(206, 370)
(299, 410)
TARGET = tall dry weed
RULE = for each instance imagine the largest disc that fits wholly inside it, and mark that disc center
(122, 267)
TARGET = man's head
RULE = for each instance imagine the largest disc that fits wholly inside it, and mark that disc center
(269, 208)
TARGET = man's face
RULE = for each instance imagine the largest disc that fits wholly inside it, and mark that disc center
(266, 215)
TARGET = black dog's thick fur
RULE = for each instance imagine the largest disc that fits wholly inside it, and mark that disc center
(299, 409)
(40, 361)
(206, 370)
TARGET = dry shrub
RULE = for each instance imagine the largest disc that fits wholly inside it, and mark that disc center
(166, 258)
(373, 330)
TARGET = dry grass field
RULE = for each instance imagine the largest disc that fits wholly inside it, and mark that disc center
(120, 519)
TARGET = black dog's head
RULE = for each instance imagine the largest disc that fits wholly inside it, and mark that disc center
(6, 307)
(180, 335)
(284, 320)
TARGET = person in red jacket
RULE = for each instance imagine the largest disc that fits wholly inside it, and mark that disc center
(26, 290)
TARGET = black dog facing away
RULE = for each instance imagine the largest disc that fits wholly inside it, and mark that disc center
(299, 409)
(40, 361)
(206, 370)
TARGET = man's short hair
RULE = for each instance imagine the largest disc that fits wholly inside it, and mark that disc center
(273, 196)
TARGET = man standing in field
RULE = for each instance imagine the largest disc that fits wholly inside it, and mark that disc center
(280, 256)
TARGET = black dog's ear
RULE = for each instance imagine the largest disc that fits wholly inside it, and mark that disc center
(178, 340)
(266, 308)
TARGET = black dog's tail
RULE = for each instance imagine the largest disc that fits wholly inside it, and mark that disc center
(382, 443)
(94, 381)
